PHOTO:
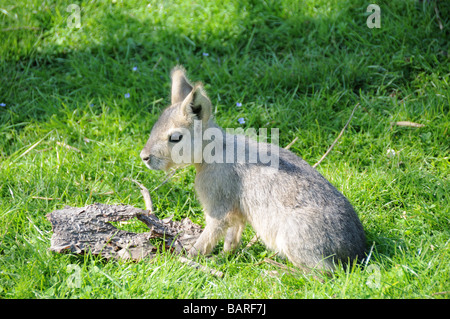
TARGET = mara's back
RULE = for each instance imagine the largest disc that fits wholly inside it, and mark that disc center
(298, 212)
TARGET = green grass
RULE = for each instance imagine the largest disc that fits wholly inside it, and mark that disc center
(297, 66)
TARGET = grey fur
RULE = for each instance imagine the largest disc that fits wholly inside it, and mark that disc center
(293, 209)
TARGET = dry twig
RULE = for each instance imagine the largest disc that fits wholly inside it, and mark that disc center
(407, 123)
(145, 193)
(291, 143)
(440, 293)
(25, 27)
(300, 271)
(33, 146)
(264, 260)
(45, 198)
(252, 241)
(196, 265)
(68, 147)
(339, 136)
(168, 177)
(436, 10)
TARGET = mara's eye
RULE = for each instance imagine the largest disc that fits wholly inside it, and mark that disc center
(175, 137)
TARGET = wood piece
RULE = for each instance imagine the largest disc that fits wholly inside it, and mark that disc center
(44, 198)
(88, 230)
(407, 124)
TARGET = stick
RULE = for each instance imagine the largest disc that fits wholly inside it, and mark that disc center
(280, 265)
(145, 193)
(339, 136)
(20, 28)
(196, 265)
(156, 64)
(105, 194)
(33, 146)
(252, 241)
(291, 143)
(168, 176)
(407, 123)
(300, 271)
(264, 260)
(68, 147)
(45, 198)
(440, 293)
(437, 16)
(44, 150)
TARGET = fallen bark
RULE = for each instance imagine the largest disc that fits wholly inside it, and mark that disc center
(89, 230)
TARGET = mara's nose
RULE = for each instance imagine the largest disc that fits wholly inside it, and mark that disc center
(145, 156)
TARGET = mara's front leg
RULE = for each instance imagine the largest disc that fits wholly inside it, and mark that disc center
(214, 230)
(233, 236)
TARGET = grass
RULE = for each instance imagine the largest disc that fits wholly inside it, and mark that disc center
(296, 66)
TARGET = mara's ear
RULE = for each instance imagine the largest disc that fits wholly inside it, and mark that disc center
(180, 85)
(197, 105)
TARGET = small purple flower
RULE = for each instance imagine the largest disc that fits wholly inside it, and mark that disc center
(205, 54)
(91, 105)
(127, 95)
(134, 68)
(2, 104)
(238, 104)
(241, 120)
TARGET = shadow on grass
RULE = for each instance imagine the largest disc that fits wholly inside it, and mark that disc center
(284, 48)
